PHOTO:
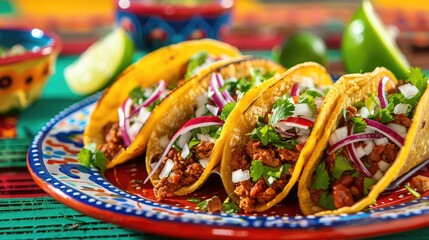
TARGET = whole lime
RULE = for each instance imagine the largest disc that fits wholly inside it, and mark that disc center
(302, 47)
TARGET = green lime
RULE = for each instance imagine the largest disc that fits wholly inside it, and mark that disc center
(100, 63)
(302, 47)
(366, 44)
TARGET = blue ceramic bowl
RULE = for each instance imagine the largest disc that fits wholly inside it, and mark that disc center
(155, 25)
(23, 76)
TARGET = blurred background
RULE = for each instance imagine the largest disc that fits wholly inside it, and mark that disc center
(247, 24)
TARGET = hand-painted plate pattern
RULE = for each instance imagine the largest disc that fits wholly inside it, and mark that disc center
(52, 161)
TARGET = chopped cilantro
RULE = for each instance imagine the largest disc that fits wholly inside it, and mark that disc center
(229, 206)
(196, 61)
(267, 135)
(194, 141)
(89, 155)
(310, 100)
(226, 110)
(321, 180)
(367, 184)
(326, 201)
(341, 165)
(359, 124)
(137, 94)
(359, 105)
(258, 170)
(153, 105)
(412, 191)
(203, 205)
(194, 200)
(282, 109)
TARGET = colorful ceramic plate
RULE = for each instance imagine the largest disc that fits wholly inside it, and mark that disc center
(120, 197)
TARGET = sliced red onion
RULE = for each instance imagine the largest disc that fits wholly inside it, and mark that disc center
(295, 90)
(169, 164)
(352, 139)
(217, 97)
(225, 92)
(298, 122)
(408, 90)
(357, 161)
(192, 124)
(156, 94)
(124, 123)
(401, 108)
(386, 131)
(240, 175)
(382, 92)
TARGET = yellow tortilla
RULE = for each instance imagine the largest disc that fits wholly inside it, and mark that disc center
(179, 107)
(244, 117)
(168, 64)
(413, 152)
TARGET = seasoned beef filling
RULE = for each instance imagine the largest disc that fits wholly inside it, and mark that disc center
(114, 142)
(185, 171)
(259, 192)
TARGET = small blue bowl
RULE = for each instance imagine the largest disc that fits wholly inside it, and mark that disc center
(23, 76)
(153, 25)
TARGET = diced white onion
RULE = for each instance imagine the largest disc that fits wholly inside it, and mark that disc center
(271, 179)
(200, 111)
(307, 82)
(364, 112)
(408, 90)
(201, 101)
(319, 102)
(369, 147)
(185, 151)
(302, 109)
(163, 141)
(378, 175)
(169, 164)
(360, 152)
(369, 130)
(383, 165)
(302, 139)
(212, 109)
(399, 129)
(206, 138)
(240, 175)
(381, 141)
(204, 162)
(401, 108)
(134, 129)
(184, 139)
(338, 135)
(283, 126)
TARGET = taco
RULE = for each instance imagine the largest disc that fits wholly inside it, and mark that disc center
(272, 135)
(184, 145)
(376, 133)
(117, 123)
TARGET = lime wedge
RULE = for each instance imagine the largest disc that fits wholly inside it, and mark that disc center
(100, 63)
(367, 44)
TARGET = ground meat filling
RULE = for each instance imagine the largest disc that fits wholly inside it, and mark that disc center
(349, 189)
(113, 138)
(259, 192)
(184, 172)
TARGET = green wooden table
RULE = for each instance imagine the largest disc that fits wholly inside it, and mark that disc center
(44, 217)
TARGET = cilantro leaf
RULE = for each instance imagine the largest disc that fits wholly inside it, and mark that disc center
(226, 110)
(194, 141)
(341, 165)
(326, 201)
(310, 100)
(137, 94)
(229, 206)
(359, 124)
(367, 184)
(89, 155)
(154, 104)
(196, 61)
(256, 170)
(194, 199)
(418, 79)
(203, 205)
(267, 135)
(282, 109)
(321, 180)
